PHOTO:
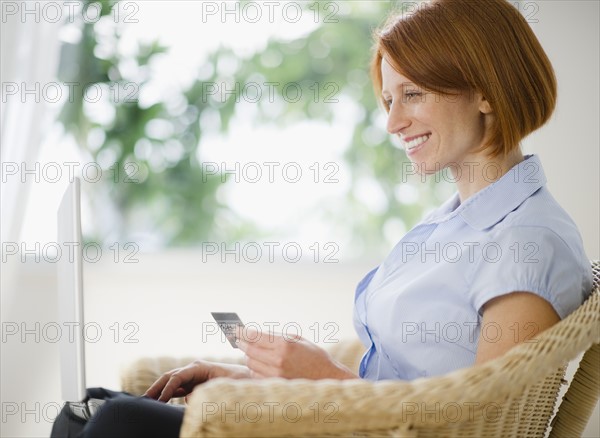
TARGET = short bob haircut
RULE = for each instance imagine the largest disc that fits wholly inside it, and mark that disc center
(450, 46)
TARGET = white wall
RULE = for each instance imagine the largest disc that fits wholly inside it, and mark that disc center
(569, 144)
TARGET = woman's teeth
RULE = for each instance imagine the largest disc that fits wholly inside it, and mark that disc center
(417, 141)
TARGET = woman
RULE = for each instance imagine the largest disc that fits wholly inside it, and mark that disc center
(463, 82)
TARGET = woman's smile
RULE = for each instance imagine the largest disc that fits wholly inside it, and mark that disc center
(413, 144)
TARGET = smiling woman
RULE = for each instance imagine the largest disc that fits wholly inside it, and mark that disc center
(501, 253)
(498, 262)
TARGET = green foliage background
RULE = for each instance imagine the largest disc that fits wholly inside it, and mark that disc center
(180, 202)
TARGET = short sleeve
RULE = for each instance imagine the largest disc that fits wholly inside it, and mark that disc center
(529, 259)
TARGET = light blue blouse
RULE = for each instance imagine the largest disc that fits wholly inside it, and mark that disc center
(419, 312)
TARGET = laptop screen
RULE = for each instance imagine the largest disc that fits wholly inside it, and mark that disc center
(70, 295)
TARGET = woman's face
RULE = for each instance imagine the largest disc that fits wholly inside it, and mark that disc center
(436, 130)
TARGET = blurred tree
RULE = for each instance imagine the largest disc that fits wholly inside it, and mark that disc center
(157, 145)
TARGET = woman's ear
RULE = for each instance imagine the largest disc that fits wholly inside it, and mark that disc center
(484, 105)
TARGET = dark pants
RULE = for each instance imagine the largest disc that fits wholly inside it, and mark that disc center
(122, 415)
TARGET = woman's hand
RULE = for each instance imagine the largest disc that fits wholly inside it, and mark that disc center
(274, 355)
(180, 382)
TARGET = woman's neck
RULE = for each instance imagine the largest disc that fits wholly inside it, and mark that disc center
(476, 174)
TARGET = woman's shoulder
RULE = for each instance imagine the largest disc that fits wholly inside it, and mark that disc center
(537, 248)
(541, 214)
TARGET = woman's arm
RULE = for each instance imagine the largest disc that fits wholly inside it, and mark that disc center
(511, 319)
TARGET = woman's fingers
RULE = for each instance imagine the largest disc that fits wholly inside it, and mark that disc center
(156, 389)
(255, 338)
(270, 354)
(257, 375)
(265, 340)
(260, 367)
(174, 383)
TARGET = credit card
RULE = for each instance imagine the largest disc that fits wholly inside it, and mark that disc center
(228, 323)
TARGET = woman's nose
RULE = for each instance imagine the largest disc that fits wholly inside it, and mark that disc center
(397, 118)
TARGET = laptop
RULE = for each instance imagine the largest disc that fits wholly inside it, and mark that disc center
(70, 305)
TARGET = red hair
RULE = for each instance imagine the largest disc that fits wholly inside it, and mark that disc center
(450, 46)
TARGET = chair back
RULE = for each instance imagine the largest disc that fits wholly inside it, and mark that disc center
(580, 399)
(529, 414)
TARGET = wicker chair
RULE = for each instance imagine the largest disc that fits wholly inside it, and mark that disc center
(514, 395)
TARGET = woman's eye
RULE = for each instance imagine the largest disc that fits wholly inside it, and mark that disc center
(388, 102)
(412, 95)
